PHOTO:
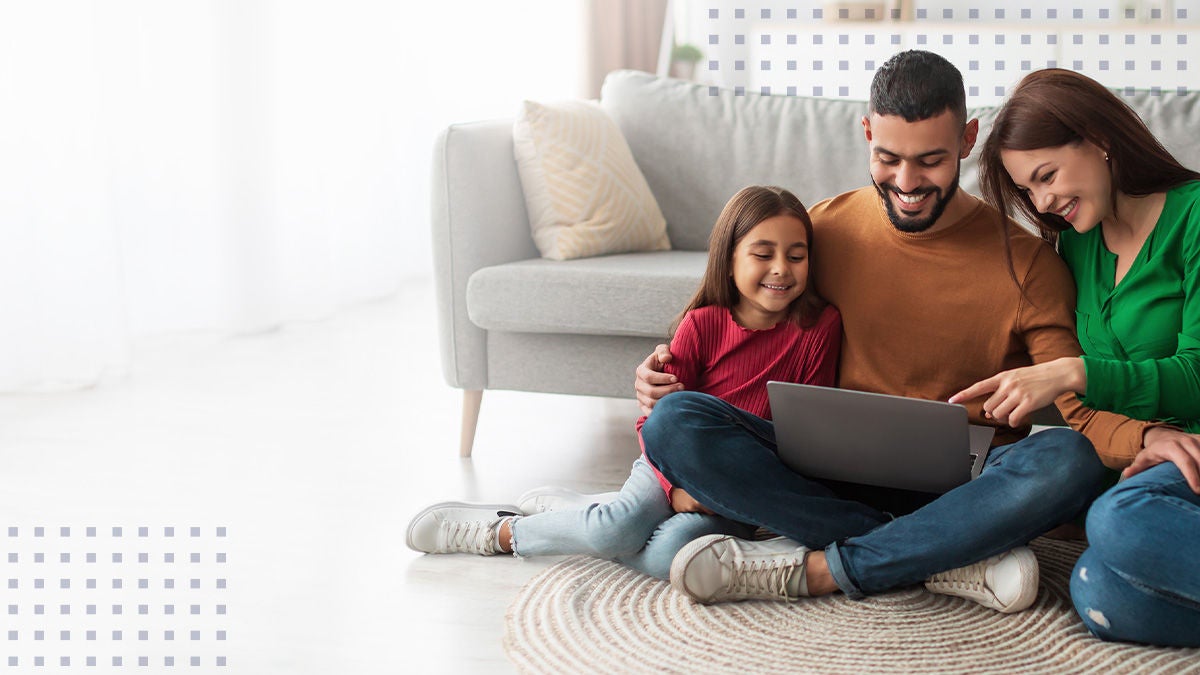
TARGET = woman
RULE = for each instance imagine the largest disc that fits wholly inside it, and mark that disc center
(1082, 166)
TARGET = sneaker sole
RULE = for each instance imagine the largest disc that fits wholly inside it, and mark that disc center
(684, 557)
(510, 508)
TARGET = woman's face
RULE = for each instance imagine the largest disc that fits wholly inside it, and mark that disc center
(1072, 181)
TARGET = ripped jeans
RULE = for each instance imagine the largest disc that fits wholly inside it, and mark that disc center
(1140, 581)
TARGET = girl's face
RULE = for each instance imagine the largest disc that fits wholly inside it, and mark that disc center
(770, 270)
(1070, 180)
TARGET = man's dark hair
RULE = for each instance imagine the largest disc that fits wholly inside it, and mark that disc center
(918, 85)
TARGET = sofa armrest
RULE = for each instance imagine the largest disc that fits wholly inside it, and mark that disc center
(479, 220)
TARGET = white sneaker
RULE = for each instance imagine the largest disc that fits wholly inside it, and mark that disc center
(719, 568)
(551, 498)
(1006, 583)
(458, 527)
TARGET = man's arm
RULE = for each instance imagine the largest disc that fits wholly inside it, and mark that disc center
(651, 383)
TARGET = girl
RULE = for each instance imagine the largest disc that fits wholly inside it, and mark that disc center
(756, 317)
(1081, 165)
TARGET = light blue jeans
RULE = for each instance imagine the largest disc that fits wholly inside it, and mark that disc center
(726, 459)
(639, 528)
(1140, 579)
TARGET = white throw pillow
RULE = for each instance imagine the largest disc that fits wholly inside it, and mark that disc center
(584, 193)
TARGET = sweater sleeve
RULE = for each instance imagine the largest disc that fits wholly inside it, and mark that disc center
(685, 365)
(1049, 331)
(1117, 438)
(685, 353)
(1156, 388)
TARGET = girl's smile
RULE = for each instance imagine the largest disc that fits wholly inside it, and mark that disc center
(769, 270)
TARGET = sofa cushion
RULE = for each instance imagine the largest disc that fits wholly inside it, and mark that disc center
(633, 294)
(697, 147)
(584, 193)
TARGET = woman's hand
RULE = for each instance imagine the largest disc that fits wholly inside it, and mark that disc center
(682, 502)
(1161, 444)
(651, 383)
(1017, 393)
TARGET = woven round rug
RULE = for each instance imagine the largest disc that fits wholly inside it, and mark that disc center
(584, 615)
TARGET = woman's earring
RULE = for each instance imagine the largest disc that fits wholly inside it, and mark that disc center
(1106, 156)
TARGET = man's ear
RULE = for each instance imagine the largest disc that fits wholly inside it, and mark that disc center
(866, 123)
(970, 135)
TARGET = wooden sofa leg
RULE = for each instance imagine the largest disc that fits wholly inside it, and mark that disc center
(472, 398)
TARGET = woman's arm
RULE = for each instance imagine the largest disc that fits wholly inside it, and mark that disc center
(1048, 329)
(1167, 387)
(1170, 445)
(1015, 394)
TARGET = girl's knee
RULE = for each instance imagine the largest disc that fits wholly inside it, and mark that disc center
(682, 528)
(614, 538)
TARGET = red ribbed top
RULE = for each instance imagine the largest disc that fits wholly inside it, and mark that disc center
(711, 353)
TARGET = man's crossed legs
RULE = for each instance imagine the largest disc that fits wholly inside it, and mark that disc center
(726, 459)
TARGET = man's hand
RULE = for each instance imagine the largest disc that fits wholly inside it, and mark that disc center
(1017, 393)
(682, 502)
(651, 382)
(1169, 445)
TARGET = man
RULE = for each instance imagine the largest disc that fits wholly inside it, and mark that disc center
(930, 304)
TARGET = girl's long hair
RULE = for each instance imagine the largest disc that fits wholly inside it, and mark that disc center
(749, 207)
(1056, 107)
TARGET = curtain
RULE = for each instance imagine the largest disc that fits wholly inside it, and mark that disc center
(224, 167)
(623, 34)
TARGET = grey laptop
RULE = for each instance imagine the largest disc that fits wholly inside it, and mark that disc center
(876, 439)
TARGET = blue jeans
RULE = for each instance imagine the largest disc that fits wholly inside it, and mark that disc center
(726, 458)
(639, 528)
(1139, 580)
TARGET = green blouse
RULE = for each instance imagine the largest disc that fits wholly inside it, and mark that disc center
(1141, 339)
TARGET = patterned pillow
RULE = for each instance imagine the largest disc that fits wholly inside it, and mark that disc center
(584, 193)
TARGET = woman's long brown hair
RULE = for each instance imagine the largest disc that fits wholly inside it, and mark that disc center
(1055, 107)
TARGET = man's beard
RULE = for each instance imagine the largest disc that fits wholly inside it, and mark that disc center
(910, 224)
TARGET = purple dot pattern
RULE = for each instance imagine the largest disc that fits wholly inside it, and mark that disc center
(113, 620)
(814, 50)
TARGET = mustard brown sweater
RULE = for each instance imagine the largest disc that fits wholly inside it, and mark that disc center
(926, 315)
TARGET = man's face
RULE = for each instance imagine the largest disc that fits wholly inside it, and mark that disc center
(915, 165)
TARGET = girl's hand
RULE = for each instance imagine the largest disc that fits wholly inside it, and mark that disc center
(682, 502)
(651, 383)
(1017, 393)
(1169, 445)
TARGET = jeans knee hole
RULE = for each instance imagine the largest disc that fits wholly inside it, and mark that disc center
(1098, 618)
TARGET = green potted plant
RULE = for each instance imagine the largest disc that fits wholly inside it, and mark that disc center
(684, 58)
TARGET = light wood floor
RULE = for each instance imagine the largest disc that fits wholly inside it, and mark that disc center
(312, 446)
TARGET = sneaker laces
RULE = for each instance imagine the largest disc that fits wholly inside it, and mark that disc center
(971, 577)
(474, 536)
(761, 579)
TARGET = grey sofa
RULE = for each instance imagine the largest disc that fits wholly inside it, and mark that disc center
(509, 319)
